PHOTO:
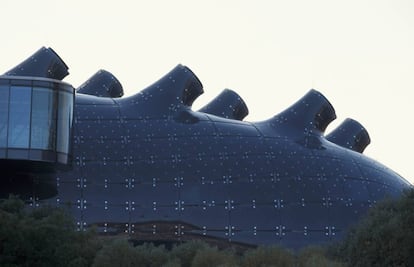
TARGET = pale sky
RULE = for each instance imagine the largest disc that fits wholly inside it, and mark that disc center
(359, 54)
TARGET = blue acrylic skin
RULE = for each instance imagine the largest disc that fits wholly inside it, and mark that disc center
(149, 166)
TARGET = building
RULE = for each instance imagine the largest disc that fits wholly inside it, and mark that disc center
(150, 167)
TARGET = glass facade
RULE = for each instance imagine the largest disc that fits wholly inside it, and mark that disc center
(64, 121)
(4, 114)
(19, 117)
(43, 130)
(36, 115)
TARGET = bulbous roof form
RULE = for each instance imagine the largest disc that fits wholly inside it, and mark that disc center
(149, 166)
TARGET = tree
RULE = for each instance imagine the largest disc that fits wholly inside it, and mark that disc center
(385, 237)
(42, 237)
(268, 256)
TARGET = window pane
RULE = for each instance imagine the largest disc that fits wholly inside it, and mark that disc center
(4, 114)
(43, 130)
(19, 117)
(64, 121)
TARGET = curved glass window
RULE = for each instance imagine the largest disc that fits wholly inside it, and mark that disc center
(43, 129)
(4, 114)
(65, 114)
(19, 117)
(36, 119)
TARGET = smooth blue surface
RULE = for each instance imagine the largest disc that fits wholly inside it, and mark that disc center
(149, 166)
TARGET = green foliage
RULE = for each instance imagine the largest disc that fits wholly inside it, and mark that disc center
(43, 237)
(185, 253)
(13, 205)
(198, 254)
(268, 257)
(123, 254)
(385, 237)
(211, 256)
(173, 263)
(118, 253)
(316, 257)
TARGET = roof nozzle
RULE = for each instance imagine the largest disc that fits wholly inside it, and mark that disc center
(102, 84)
(350, 134)
(310, 114)
(44, 63)
(228, 104)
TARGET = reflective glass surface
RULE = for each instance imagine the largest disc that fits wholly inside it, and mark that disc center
(65, 114)
(19, 117)
(43, 130)
(4, 114)
(36, 119)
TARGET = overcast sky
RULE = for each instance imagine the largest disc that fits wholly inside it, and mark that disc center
(359, 54)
